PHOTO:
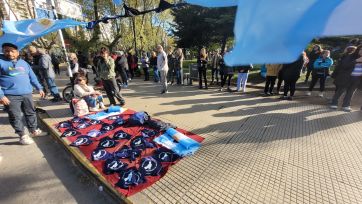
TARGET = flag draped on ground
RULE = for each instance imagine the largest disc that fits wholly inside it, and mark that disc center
(23, 32)
(278, 31)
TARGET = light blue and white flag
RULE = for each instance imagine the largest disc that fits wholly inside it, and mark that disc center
(117, 2)
(277, 31)
(24, 32)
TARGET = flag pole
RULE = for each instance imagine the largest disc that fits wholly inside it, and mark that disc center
(62, 41)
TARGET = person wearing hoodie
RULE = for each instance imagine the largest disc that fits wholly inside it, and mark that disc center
(47, 70)
(320, 71)
(291, 74)
(312, 56)
(17, 80)
(347, 77)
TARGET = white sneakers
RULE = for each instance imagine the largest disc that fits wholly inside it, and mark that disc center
(38, 133)
(333, 107)
(308, 93)
(102, 106)
(26, 140)
(321, 94)
(347, 109)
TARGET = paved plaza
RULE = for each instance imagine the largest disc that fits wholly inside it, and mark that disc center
(256, 150)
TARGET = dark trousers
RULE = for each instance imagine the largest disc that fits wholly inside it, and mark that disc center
(322, 82)
(224, 77)
(171, 74)
(56, 69)
(41, 79)
(350, 90)
(269, 84)
(178, 75)
(202, 74)
(22, 105)
(289, 85)
(131, 72)
(147, 73)
(280, 81)
(309, 71)
(123, 74)
(214, 75)
(112, 90)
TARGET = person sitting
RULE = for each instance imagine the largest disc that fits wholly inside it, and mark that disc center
(83, 91)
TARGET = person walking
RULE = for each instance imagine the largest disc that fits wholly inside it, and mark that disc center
(320, 71)
(16, 86)
(153, 64)
(291, 74)
(162, 65)
(33, 51)
(216, 57)
(145, 63)
(46, 69)
(56, 62)
(243, 73)
(272, 71)
(347, 77)
(122, 67)
(179, 58)
(312, 56)
(202, 67)
(106, 71)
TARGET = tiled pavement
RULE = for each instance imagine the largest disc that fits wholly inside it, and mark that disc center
(257, 150)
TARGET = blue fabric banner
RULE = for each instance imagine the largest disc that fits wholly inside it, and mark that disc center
(117, 2)
(24, 32)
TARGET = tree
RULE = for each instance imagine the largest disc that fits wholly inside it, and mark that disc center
(198, 26)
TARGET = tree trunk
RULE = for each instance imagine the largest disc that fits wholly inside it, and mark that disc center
(223, 43)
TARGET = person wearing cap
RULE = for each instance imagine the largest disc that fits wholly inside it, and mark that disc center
(17, 80)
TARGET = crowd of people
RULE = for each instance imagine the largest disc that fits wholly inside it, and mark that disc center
(36, 68)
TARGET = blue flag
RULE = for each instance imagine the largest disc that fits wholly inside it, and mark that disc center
(24, 32)
(277, 31)
(117, 2)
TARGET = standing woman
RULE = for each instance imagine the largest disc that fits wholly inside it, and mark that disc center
(202, 63)
(320, 71)
(312, 56)
(74, 66)
(179, 58)
(347, 77)
(153, 64)
(145, 63)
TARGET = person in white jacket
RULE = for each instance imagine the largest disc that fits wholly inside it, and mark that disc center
(92, 97)
(162, 65)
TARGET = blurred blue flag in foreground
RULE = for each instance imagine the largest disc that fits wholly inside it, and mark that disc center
(277, 31)
(117, 2)
(23, 32)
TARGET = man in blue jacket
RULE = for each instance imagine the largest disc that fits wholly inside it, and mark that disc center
(16, 85)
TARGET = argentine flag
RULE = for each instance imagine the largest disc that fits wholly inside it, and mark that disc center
(277, 31)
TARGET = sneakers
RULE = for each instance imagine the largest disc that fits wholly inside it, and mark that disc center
(38, 133)
(101, 105)
(95, 109)
(333, 107)
(347, 109)
(26, 140)
(221, 89)
(308, 93)
(321, 94)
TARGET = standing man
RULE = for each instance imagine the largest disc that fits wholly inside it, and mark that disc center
(36, 68)
(215, 67)
(46, 70)
(16, 81)
(106, 71)
(162, 66)
(122, 67)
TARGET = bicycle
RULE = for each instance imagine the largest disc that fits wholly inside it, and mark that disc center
(68, 93)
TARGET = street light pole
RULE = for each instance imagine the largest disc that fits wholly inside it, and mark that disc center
(62, 40)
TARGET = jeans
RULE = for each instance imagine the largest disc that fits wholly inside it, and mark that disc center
(350, 90)
(156, 74)
(241, 82)
(52, 87)
(178, 75)
(147, 73)
(163, 74)
(269, 84)
(214, 75)
(322, 82)
(202, 74)
(112, 90)
(92, 101)
(21, 105)
(124, 77)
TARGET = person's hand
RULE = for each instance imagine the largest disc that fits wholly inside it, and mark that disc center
(42, 94)
(97, 93)
(4, 100)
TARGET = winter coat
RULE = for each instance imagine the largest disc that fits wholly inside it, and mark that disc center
(273, 69)
(292, 71)
(342, 73)
(245, 68)
(46, 66)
